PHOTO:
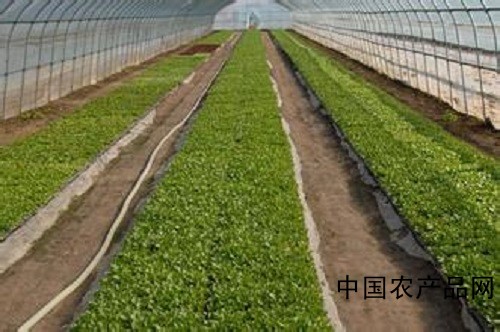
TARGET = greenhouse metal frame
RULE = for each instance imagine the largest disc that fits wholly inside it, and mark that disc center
(51, 48)
(446, 48)
(247, 164)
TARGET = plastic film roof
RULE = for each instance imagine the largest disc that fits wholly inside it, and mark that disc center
(31, 11)
(471, 23)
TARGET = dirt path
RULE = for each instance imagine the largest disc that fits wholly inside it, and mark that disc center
(354, 238)
(199, 48)
(464, 127)
(66, 249)
(34, 120)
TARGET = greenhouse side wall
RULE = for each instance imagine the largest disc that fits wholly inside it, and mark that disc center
(448, 53)
(49, 49)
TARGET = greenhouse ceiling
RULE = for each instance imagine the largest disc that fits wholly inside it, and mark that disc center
(43, 10)
(402, 38)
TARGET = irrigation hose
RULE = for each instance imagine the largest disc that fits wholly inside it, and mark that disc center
(47, 308)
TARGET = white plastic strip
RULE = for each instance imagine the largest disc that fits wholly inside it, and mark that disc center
(17, 244)
(312, 231)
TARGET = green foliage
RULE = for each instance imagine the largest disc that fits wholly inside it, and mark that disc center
(221, 244)
(216, 38)
(450, 116)
(32, 115)
(33, 169)
(447, 190)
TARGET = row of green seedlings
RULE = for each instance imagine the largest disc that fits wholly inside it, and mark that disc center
(33, 169)
(446, 189)
(221, 244)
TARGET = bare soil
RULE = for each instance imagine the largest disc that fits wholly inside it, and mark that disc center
(32, 121)
(467, 128)
(200, 48)
(67, 248)
(354, 238)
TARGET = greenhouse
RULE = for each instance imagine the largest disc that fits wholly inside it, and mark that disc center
(249, 165)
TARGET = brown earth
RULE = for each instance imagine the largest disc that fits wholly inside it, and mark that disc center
(354, 238)
(68, 247)
(32, 121)
(467, 128)
(200, 48)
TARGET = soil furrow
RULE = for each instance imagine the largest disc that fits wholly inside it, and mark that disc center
(66, 249)
(354, 240)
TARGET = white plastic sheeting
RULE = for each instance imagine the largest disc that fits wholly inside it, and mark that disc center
(49, 48)
(446, 48)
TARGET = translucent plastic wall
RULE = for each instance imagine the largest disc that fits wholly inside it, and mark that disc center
(49, 48)
(262, 14)
(446, 48)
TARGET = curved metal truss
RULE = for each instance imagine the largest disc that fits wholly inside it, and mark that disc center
(446, 48)
(49, 48)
